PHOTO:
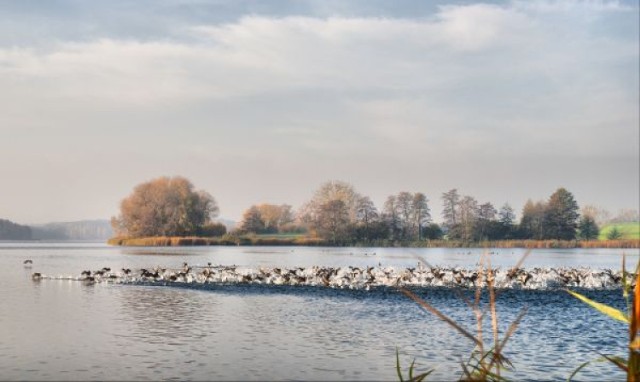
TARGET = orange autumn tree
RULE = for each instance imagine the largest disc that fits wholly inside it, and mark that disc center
(166, 206)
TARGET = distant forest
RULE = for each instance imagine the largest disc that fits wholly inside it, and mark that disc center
(12, 231)
(80, 230)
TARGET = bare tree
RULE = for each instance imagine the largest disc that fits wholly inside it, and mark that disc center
(391, 216)
(366, 211)
(404, 204)
(600, 215)
(450, 202)
(405, 214)
(275, 216)
(252, 221)
(626, 215)
(330, 191)
(532, 220)
(468, 213)
(486, 216)
(421, 216)
(333, 220)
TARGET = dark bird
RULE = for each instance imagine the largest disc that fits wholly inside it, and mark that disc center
(27, 261)
(36, 276)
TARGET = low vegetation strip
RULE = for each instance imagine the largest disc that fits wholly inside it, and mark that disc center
(299, 240)
(628, 230)
(164, 241)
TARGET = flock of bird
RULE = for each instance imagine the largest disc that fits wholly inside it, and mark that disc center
(358, 277)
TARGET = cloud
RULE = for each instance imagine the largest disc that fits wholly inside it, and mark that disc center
(518, 79)
(466, 69)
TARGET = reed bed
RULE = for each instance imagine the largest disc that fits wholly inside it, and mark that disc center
(631, 365)
(167, 241)
(489, 364)
(486, 362)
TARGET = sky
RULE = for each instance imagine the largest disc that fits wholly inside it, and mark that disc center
(264, 101)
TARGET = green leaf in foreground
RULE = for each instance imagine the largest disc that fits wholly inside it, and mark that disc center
(418, 378)
(602, 308)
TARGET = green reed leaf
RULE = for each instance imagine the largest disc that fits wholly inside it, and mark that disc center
(602, 308)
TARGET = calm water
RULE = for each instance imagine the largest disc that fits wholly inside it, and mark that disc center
(62, 330)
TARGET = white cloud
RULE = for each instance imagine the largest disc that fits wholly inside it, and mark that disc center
(258, 54)
(518, 79)
(564, 6)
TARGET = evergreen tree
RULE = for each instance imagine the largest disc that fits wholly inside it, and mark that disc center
(588, 229)
(560, 216)
(506, 218)
(614, 234)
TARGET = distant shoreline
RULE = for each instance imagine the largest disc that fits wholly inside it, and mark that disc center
(229, 240)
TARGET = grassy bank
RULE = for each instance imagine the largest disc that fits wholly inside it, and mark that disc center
(628, 231)
(302, 240)
(531, 244)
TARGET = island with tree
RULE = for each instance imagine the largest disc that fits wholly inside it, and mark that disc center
(170, 211)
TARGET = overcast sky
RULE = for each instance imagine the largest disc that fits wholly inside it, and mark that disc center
(263, 101)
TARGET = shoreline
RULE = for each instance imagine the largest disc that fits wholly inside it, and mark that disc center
(304, 241)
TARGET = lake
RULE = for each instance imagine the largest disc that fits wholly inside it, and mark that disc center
(68, 330)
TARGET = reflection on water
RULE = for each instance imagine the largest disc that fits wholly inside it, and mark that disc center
(55, 330)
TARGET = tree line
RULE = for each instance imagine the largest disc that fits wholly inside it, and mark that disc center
(338, 214)
(12, 231)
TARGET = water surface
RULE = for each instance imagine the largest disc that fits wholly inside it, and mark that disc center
(67, 330)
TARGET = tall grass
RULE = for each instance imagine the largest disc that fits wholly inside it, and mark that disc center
(631, 365)
(167, 241)
(294, 240)
(487, 361)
